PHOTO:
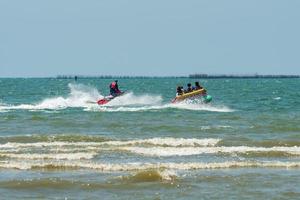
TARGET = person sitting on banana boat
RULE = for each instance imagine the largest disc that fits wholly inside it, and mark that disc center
(189, 88)
(191, 92)
(197, 86)
(180, 91)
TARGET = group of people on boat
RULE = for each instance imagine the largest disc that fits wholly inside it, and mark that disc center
(115, 91)
(190, 91)
(181, 90)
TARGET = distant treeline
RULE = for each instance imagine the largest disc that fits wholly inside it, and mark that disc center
(194, 76)
(206, 76)
(113, 77)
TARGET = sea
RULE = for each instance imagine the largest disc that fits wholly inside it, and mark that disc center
(57, 143)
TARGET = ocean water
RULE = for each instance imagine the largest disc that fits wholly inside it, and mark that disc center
(56, 144)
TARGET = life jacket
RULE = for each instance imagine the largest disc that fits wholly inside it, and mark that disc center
(179, 91)
(189, 89)
(113, 85)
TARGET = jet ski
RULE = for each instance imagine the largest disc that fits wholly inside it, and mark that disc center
(107, 99)
(194, 94)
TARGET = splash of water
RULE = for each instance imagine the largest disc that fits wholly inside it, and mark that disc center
(78, 97)
(181, 105)
(84, 96)
(131, 99)
(200, 106)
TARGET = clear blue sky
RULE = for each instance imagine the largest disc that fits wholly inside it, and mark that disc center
(149, 37)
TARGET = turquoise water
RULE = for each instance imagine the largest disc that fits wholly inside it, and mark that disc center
(56, 144)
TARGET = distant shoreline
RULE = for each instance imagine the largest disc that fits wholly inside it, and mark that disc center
(241, 76)
(192, 76)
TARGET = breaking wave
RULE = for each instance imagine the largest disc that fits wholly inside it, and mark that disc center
(173, 142)
(147, 166)
(62, 153)
(56, 156)
(150, 176)
(187, 151)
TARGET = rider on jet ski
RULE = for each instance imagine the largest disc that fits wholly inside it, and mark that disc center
(114, 89)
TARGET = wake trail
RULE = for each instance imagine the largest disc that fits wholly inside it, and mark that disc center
(181, 106)
(83, 96)
(78, 97)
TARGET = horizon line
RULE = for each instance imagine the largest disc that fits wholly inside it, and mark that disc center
(195, 75)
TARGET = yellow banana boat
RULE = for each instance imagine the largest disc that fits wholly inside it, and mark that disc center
(195, 93)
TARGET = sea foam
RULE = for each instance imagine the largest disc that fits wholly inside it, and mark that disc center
(186, 151)
(78, 97)
(106, 167)
(160, 141)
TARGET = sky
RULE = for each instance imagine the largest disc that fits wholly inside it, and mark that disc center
(148, 37)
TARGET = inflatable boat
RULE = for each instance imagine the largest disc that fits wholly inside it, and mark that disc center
(194, 94)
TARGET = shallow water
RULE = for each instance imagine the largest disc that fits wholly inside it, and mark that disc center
(56, 144)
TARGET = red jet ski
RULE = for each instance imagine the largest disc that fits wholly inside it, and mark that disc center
(107, 99)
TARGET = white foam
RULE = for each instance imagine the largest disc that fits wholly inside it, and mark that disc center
(214, 127)
(2, 107)
(56, 156)
(131, 99)
(147, 166)
(168, 174)
(45, 144)
(148, 147)
(129, 109)
(79, 96)
(183, 106)
(175, 142)
(151, 141)
(198, 106)
(186, 151)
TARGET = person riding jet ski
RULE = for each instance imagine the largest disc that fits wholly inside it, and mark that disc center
(114, 89)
